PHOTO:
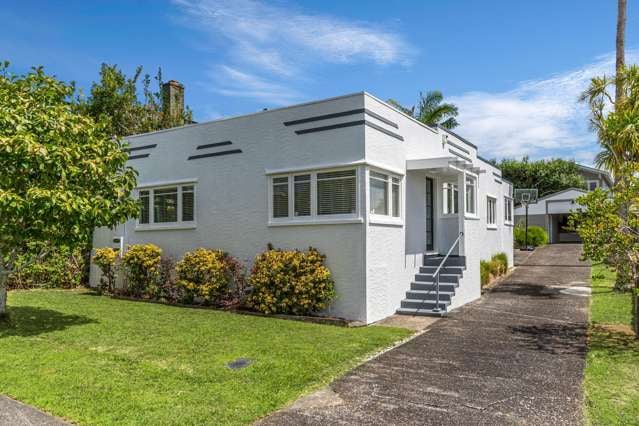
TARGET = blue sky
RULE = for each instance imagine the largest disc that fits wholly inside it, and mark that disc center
(515, 69)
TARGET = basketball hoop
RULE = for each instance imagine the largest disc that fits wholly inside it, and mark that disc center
(526, 197)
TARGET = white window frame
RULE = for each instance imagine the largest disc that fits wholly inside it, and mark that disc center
(588, 182)
(446, 187)
(314, 217)
(509, 210)
(179, 224)
(474, 214)
(489, 224)
(387, 218)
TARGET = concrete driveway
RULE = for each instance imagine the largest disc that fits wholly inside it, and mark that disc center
(514, 357)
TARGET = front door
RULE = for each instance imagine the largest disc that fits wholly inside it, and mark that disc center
(430, 241)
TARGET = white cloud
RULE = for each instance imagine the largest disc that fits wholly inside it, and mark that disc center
(540, 118)
(279, 43)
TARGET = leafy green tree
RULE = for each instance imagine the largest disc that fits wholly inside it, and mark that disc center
(431, 110)
(114, 99)
(62, 173)
(547, 176)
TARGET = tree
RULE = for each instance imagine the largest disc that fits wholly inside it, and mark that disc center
(114, 99)
(62, 173)
(547, 176)
(431, 110)
(620, 61)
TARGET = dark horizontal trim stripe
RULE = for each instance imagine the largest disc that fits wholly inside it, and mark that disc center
(140, 148)
(496, 175)
(462, 149)
(460, 155)
(342, 114)
(213, 145)
(324, 117)
(383, 130)
(215, 154)
(135, 157)
(498, 181)
(380, 118)
(330, 127)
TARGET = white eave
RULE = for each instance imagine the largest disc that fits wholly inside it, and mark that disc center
(443, 164)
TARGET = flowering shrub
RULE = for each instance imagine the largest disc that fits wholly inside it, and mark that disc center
(142, 268)
(207, 275)
(104, 258)
(290, 282)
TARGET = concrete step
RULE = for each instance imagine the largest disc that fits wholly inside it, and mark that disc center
(435, 260)
(443, 278)
(422, 304)
(429, 295)
(449, 287)
(421, 312)
(459, 270)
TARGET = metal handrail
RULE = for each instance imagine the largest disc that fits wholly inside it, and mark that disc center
(441, 265)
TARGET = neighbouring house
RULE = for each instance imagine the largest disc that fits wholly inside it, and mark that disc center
(381, 194)
(551, 211)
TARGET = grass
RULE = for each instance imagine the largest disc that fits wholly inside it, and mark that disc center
(612, 365)
(96, 360)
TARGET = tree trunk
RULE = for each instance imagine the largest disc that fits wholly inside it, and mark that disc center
(620, 47)
(3, 293)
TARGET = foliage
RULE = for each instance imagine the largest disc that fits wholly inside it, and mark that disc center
(207, 275)
(62, 174)
(493, 268)
(167, 289)
(547, 176)
(141, 264)
(60, 268)
(537, 236)
(174, 360)
(290, 282)
(484, 272)
(114, 99)
(105, 258)
(431, 111)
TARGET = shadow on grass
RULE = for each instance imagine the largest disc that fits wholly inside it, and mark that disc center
(28, 321)
(559, 339)
(608, 339)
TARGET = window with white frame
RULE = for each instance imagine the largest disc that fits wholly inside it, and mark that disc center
(451, 198)
(508, 210)
(592, 185)
(174, 204)
(312, 194)
(384, 194)
(491, 211)
(471, 195)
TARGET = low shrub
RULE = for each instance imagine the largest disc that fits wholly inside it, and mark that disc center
(484, 272)
(537, 236)
(290, 282)
(208, 276)
(501, 263)
(141, 264)
(58, 268)
(105, 259)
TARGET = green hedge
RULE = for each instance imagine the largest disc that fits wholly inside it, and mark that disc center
(537, 236)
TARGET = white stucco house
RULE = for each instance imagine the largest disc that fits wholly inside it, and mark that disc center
(552, 211)
(379, 193)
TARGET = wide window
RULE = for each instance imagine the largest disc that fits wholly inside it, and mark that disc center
(450, 198)
(331, 193)
(491, 211)
(167, 205)
(471, 195)
(384, 194)
(508, 210)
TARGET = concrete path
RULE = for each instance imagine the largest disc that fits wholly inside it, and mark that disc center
(14, 413)
(514, 357)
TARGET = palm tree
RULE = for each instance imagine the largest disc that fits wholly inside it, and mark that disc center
(431, 110)
(620, 42)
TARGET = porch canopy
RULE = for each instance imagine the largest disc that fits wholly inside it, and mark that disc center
(443, 165)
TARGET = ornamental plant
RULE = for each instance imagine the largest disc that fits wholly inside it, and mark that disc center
(537, 236)
(141, 264)
(62, 267)
(290, 282)
(104, 258)
(206, 275)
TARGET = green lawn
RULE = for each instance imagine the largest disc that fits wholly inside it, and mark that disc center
(96, 360)
(612, 365)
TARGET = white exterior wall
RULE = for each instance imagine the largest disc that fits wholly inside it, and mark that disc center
(373, 261)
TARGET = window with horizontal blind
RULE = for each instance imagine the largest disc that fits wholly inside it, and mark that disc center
(167, 205)
(314, 194)
(384, 194)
